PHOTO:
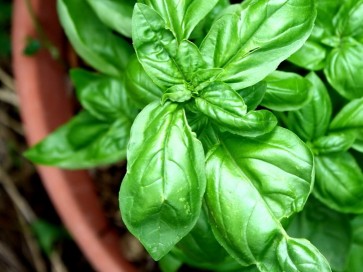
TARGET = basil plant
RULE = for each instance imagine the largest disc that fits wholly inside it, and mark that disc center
(216, 176)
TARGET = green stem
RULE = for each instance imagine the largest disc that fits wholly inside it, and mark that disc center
(53, 50)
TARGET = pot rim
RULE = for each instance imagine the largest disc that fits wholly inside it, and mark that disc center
(41, 84)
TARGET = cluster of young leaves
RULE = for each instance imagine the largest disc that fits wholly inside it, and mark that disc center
(211, 179)
(339, 178)
(332, 126)
(336, 45)
(255, 175)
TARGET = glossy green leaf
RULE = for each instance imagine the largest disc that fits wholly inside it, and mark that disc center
(83, 142)
(236, 210)
(169, 263)
(93, 41)
(197, 121)
(201, 249)
(103, 96)
(219, 10)
(177, 93)
(264, 33)
(189, 59)
(161, 194)
(155, 47)
(334, 142)
(226, 107)
(313, 119)
(299, 255)
(355, 262)
(181, 17)
(286, 91)
(209, 136)
(254, 94)
(328, 230)
(221, 103)
(252, 268)
(139, 86)
(350, 117)
(339, 182)
(325, 23)
(349, 121)
(343, 69)
(311, 56)
(269, 159)
(349, 19)
(253, 124)
(358, 144)
(249, 191)
(116, 14)
(202, 76)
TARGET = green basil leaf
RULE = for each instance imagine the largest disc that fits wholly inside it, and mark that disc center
(139, 86)
(253, 124)
(269, 159)
(201, 249)
(205, 76)
(209, 136)
(161, 200)
(116, 14)
(248, 192)
(197, 121)
(83, 142)
(325, 21)
(169, 263)
(334, 142)
(254, 94)
(226, 107)
(103, 96)
(328, 230)
(349, 19)
(228, 187)
(155, 47)
(339, 182)
(286, 91)
(350, 117)
(264, 34)
(220, 102)
(93, 41)
(189, 59)
(311, 56)
(299, 255)
(219, 10)
(177, 93)
(355, 261)
(313, 119)
(343, 69)
(252, 268)
(181, 16)
(358, 144)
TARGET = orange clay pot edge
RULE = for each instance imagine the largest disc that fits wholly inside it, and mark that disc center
(41, 86)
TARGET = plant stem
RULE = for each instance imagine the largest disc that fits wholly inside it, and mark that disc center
(53, 50)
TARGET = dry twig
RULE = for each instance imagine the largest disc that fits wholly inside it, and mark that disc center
(26, 216)
(11, 123)
(9, 97)
(7, 80)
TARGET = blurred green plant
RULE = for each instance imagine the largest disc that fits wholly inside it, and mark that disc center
(5, 18)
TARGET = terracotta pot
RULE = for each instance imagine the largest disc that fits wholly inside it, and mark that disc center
(42, 89)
